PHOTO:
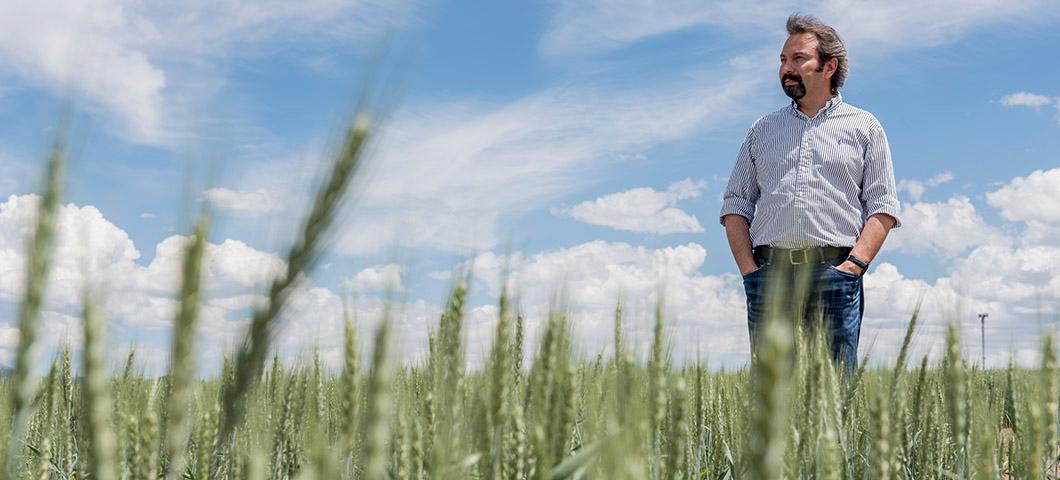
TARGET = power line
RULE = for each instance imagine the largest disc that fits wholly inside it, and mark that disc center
(982, 330)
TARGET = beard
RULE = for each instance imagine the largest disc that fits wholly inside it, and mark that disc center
(796, 91)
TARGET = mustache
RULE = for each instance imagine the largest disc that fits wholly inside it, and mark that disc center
(791, 76)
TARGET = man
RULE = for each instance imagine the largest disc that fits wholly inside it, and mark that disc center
(812, 195)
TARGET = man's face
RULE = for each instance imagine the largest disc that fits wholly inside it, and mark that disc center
(800, 69)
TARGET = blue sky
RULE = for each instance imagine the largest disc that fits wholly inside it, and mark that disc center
(591, 140)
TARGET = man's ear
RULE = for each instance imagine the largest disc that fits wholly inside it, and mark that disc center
(831, 66)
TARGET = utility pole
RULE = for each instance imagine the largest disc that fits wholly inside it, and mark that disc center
(982, 330)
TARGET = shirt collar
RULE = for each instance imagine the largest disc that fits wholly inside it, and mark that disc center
(832, 103)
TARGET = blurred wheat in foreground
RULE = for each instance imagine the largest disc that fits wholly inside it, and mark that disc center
(793, 414)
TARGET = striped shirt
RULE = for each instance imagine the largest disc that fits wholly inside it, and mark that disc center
(806, 182)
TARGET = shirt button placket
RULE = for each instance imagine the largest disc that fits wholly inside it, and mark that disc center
(804, 161)
(800, 176)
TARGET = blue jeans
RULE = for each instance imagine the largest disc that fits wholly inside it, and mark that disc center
(835, 297)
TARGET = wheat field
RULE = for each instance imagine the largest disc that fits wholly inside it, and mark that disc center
(541, 414)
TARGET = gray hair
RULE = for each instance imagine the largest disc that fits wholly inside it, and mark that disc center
(829, 45)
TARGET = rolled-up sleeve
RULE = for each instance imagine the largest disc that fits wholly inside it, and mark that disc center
(742, 192)
(878, 192)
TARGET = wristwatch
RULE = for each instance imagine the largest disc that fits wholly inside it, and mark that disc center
(860, 263)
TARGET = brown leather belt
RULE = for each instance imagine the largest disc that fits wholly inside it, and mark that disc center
(798, 256)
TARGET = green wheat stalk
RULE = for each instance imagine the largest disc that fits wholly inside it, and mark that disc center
(101, 439)
(38, 262)
(182, 365)
(250, 359)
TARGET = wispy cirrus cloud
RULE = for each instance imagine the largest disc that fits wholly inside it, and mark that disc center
(257, 201)
(591, 27)
(586, 26)
(146, 68)
(447, 173)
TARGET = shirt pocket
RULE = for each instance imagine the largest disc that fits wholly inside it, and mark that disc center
(842, 161)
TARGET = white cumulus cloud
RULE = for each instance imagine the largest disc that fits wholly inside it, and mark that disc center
(87, 246)
(1033, 200)
(138, 300)
(703, 312)
(1012, 281)
(916, 188)
(946, 229)
(1032, 100)
(642, 209)
(1035, 197)
(376, 278)
(1024, 99)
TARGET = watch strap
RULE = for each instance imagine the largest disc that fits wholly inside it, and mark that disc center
(860, 263)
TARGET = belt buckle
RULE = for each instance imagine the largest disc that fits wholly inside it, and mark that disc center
(797, 252)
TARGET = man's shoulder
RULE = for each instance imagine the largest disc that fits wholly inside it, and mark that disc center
(781, 116)
(856, 116)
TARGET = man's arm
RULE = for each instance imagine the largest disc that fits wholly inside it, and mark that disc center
(879, 200)
(739, 233)
(878, 192)
(872, 237)
(738, 205)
